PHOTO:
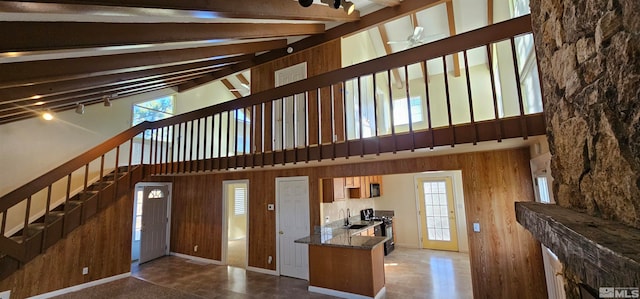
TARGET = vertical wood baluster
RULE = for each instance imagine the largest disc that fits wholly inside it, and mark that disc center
(360, 118)
(204, 144)
(252, 135)
(282, 140)
(212, 145)
(426, 86)
(319, 124)
(393, 126)
(165, 138)
(115, 171)
(68, 194)
(446, 90)
(142, 148)
(332, 123)
(173, 148)
(410, 117)
(344, 115)
(235, 140)
(25, 228)
(305, 121)
(219, 141)
(180, 149)
(47, 206)
(473, 120)
(375, 115)
(496, 115)
(244, 137)
(228, 147)
(198, 159)
(191, 141)
(86, 177)
(184, 148)
(102, 169)
(295, 129)
(162, 150)
(152, 152)
(159, 150)
(3, 226)
(128, 163)
(523, 120)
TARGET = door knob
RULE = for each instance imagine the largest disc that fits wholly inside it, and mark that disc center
(281, 232)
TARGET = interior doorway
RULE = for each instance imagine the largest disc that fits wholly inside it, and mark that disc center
(150, 229)
(235, 227)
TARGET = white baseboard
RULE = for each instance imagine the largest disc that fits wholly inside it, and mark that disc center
(263, 271)
(341, 294)
(81, 286)
(196, 258)
(407, 245)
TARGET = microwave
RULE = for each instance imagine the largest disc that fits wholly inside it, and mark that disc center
(374, 189)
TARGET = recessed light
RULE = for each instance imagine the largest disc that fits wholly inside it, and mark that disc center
(47, 116)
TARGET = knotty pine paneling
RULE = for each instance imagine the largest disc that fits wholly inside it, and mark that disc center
(506, 261)
(103, 244)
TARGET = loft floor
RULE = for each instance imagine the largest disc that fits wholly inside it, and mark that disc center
(410, 273)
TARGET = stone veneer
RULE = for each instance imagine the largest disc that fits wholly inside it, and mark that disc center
(589, 58)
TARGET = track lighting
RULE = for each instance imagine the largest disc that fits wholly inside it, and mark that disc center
(348, 6)
(80, 108)
(107, 101)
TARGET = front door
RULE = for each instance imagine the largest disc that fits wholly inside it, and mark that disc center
(438, 215)
(293, 212)
(154, 223)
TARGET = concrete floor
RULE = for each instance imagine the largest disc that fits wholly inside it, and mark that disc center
(410, 273)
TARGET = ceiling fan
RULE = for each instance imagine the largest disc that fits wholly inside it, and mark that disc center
(416, 38)
(243, 87)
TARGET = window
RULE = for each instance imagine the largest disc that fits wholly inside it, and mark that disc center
(401, 114)
(239, 195)
(543, 189)
(152, 110)
(138, 227)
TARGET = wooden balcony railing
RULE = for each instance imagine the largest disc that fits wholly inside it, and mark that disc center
(352, 111)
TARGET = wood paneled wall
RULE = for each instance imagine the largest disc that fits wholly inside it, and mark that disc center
(506, 261)
(320, 59)
(103, 244)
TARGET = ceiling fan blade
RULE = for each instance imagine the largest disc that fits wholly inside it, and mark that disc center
(397, 42)
(417, 32)
(246, 86)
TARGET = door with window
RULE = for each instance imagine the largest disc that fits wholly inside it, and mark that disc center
(153, 236)
(437, 214)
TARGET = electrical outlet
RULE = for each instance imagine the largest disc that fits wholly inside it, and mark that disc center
(476, 227)
(195, 248)
(271, 207)
(270, 259)
(85, 270)
(326, 219)
(5, 294)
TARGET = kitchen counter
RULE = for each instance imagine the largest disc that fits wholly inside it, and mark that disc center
(345, 264)
(339, 236)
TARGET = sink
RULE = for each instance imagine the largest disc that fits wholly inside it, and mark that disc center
(357, 226)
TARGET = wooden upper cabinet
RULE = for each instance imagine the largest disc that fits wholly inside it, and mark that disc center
(332, 190)
(352, 182)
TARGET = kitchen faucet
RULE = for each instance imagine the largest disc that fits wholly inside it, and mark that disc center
(346, 222)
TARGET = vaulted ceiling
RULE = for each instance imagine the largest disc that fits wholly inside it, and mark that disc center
(57, 54)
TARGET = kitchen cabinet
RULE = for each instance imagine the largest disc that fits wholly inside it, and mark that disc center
(363, 190)
(352, 182)
(332, 190)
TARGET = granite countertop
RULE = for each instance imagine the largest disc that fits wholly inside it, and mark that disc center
(339, 236)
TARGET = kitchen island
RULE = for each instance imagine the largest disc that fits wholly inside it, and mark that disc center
(344, 263)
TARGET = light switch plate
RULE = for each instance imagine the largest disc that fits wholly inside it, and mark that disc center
(271, 207)
(5, 294)
(476, 227)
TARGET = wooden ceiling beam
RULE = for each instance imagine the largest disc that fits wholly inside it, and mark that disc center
(27, 73)
(36, 36)
(371, 20)
(388, 3)
(194, 9)
(243, 79)
(231, 88)
(452, 32)
(71, 103)
(489, 12)
(82, 95)
(35, 92)
(398, 83)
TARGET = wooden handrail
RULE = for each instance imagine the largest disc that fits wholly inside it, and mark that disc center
(14, 197)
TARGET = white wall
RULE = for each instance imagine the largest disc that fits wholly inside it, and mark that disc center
(332, 210)
(399, 195)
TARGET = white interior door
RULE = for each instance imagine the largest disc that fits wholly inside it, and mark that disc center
(292, 200)
(153, 237)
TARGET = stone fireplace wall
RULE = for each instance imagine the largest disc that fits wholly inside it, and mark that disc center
(589, 59)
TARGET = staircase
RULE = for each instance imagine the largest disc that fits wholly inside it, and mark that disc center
(58, 222)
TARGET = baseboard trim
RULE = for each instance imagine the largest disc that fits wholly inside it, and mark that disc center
(81, 286)
(341, 294)
(263, 271)
(196, 258)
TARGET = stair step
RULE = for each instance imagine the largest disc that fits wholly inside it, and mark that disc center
(72, 215)
(8, 265)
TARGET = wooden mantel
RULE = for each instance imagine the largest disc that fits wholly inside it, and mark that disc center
(602, 253)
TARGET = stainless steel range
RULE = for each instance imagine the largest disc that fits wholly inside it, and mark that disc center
(386, 230)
